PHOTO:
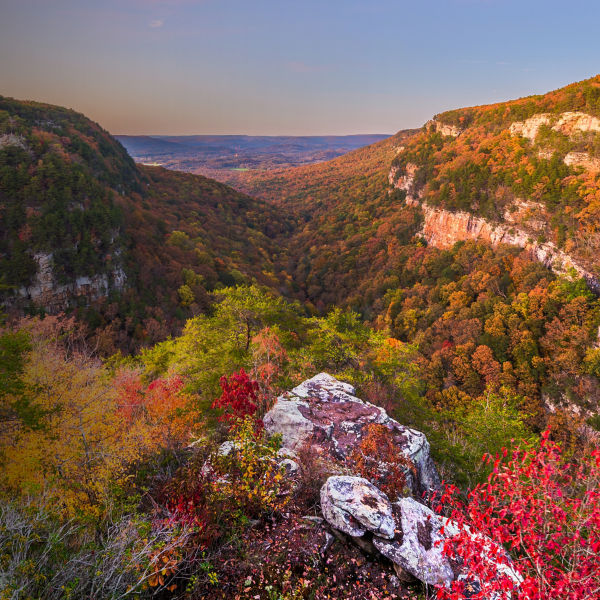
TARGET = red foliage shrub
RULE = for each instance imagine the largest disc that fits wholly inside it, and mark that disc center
(239, 397)
(545, 511)
(190, 507)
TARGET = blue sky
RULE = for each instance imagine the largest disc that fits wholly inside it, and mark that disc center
(289, 66)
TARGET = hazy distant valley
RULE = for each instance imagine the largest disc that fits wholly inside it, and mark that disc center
(217, 156)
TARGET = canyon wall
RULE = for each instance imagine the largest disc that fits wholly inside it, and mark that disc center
(45, 291)
(442, 228)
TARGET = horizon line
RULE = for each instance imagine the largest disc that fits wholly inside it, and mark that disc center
(158, 135)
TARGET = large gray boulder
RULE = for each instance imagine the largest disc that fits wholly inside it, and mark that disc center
(354, 506)
(324, 413)
(406, 532)
(418, 548)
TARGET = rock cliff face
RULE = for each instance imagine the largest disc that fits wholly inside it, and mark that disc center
(442, 228)
(46, 291)
(567, 123)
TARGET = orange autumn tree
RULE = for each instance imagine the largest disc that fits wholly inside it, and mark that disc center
(160, 415)
(269, 357)
(95, 428)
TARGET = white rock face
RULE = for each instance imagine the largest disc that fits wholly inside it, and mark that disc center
(226, 448)
(45, 291)
(546, 153)
(354, 506)
(10, 139)
(530, 127)
(324, 413)
(292, 468)
(408, 533)
(570, 122)
(444, 128)
(418, 548)
(405, 181)
(443, 228)
(582, 159)
(529, 214)
(286, 419)
(567, 123)
(420, 551)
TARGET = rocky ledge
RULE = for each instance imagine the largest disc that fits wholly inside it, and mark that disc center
(442, 228)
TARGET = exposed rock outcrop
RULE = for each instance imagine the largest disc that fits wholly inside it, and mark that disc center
(44, 290)
(442, 228)
(567, 123)
(528, 214)
(404, 181)
(11, 139)
(324, 413)
(354, 506)
(444, 128)
(582, 159)
(530, 127)
(571, 122)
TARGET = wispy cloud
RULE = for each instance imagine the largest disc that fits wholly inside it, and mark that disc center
(156, 23)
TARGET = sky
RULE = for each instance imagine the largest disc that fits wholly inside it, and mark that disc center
(289, 67)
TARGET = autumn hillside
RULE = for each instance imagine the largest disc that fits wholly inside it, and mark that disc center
(205, 395)
(480, 307)
(532, 165)
(343, 212)
(133, 250)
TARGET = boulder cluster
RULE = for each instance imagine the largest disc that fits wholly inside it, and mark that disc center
(323, 414)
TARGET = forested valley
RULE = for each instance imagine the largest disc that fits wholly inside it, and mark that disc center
(154, 323)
